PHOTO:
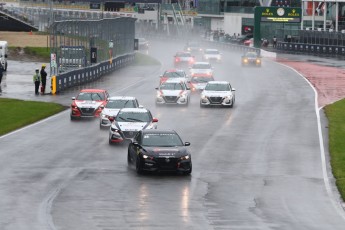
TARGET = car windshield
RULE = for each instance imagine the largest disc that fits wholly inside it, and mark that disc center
(118, 104)
(91, 96)
(161, 140)
(217, 87)
(193, 44)
(251, 54)
(212, 52)
(183, 55)
(171, 86)
(133, 117)
(201, 66)
(201, 79)
(174, 74)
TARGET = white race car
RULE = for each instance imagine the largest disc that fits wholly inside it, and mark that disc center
(128, 122)
(173, 91)
(212, 55)
(218, 93)
(113, 106)
(199, 69)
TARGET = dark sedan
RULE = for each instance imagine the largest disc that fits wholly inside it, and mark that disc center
(159, 150)
(251, 58)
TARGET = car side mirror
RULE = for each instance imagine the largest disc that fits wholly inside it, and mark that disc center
(5, 55)
(233, 89)
(187, 144)
(135, 143)
(188, 88)
(102, 106)
(141, 106)
(73, 98)
(156, 88)
(154, 120)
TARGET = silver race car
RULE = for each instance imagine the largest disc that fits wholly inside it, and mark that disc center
(113, 106)
(173, 91)
(218, 93)
(128, 122)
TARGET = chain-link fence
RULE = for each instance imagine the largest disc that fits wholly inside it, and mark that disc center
(79, 44)
(84, 50)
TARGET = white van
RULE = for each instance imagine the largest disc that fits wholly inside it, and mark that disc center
(3, 54)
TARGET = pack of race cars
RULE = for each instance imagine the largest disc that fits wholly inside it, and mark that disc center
(151, 149)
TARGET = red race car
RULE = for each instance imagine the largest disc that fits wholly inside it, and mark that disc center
(183, 59)
(88, 103)
(173, 73)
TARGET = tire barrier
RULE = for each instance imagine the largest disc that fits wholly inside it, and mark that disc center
(89, 74)
(312, 49)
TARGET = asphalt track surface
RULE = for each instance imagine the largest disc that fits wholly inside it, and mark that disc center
(259, 165)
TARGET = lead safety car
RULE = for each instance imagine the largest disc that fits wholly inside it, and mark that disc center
(128, 122)
(113, 106)
(218, 93)
(159, 150)
(88, 103)
(173, 91)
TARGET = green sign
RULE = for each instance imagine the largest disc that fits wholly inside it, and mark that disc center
(274, 15)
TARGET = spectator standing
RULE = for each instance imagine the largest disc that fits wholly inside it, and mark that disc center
(1, 71)
(37, 80)
(43, 78)
(274, 42)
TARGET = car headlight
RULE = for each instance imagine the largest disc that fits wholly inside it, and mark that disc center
(203, 96)
(185, 157)
(159, 94)
(228, 97)
(258, 60)
(114, 129)
(183, 94)
(147, 157)
(245, 60)
(74, 107)
(150, 126)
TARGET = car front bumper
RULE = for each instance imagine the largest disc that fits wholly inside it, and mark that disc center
(166, 165)
(171, 100)
(216, 101)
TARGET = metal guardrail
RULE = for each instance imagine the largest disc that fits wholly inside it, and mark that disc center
(312, 49)
(92, 73)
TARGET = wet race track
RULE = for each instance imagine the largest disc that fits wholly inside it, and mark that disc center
(258, 165)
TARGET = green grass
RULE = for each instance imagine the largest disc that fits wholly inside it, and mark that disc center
(143, 59)
(43, 52)
(336, 118)
(17, 113)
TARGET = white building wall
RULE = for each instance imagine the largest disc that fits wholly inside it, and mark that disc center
(233, 22)
(217, 23)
